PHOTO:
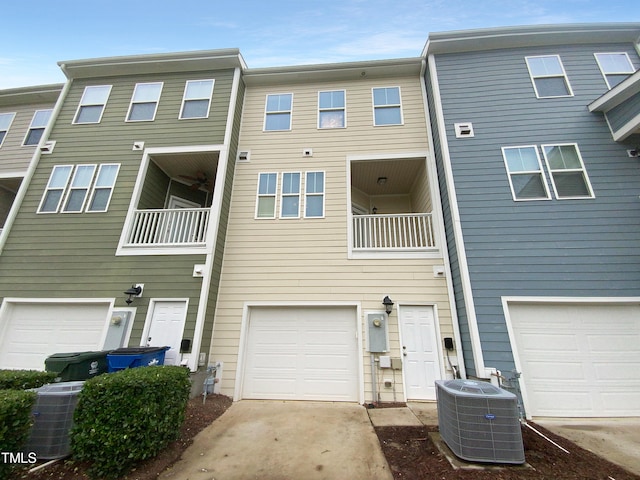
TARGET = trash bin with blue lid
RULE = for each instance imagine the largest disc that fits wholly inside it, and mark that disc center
(77, 366)
(132, 357)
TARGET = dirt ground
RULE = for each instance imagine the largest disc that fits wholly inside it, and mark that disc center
(409, 451)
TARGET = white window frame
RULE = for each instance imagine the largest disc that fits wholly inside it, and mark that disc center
(525, 172)
(95, 187)
(71, 188)
(342, 109)
(563, 76)
(133, 102)
(631, 70)
(387, 106)
(185, 99)
(277, 112)
(6, 131)
(314, 194)
(83, 104)
(264, 195)
(284, 195)
(582, 170)
(62, 189)
(36, 126)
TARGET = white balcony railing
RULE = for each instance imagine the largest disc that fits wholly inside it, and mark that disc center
(178, 226)
(410, 231)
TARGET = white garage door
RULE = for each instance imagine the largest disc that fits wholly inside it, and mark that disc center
(30, 332)
(301, 354)
(579, 360)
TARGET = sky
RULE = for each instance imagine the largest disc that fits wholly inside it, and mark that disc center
(40, 33)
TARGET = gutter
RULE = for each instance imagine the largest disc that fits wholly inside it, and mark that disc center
(26, 180)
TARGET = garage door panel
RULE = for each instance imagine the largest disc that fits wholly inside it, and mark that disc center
(307, 353)
(578, 359)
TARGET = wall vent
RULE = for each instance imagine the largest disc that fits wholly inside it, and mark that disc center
(307, 152)
(243, 156)
(138, 146)
(463, 130)
(479, 422)
(47, 147)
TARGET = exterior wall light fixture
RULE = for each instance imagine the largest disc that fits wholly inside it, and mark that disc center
(388, 304)
(134, 291)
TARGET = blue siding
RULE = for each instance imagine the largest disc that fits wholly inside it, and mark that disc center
(620, 115)
(582, 248)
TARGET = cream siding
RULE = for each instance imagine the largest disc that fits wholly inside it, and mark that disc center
(305, 260)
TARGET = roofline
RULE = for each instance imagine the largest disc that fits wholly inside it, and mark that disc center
(153, 63)
(31, 94)
(333, 71)
(530, 35)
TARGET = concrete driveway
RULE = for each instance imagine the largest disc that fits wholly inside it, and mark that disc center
(271, 440)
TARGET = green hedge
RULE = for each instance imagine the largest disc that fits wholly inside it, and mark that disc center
(24, 379)
(128, 416)
(15, 423)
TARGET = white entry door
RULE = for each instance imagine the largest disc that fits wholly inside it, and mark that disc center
(419, 352)
(166, 327)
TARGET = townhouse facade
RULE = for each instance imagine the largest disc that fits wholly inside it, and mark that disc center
(535, 133)
(132, 193)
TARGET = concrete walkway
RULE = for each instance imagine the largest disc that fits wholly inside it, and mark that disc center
(275, 440)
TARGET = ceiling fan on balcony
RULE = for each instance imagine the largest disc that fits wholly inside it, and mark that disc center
(200, 181)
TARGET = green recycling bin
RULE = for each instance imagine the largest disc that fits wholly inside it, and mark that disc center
(77, 366)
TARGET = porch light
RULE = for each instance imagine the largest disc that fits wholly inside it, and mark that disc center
(388, 304)
(382, 180)
(134, 291)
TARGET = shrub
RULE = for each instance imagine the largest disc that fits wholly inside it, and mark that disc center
(15, 423)
(128, 416)
(24, 379)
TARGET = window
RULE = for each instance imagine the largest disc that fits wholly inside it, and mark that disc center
(197, 99)
(278, 112)
(266, 204)
(331, 109)
(525, 173)
(567, 171)
(615, 67)
(548, 76)
(36, 129)
(103, 187)
(144, 102)
(69, 186)
(92, 104)
(314, 194)
(290, 196)
(387, 109)
(6, 119)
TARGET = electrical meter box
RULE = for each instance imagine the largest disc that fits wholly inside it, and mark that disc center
(377, 332)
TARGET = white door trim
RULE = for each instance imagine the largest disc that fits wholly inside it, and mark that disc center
(179, 202)
(244, 337)
(436, 322)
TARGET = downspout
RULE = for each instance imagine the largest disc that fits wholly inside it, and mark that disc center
(35, 160)
(436, 203)
(476, 345)
(218, 193)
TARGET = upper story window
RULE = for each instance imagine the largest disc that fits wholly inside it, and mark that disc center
(68, 188)
(387, 106)
(314, 194)
(331, 109)
(36, 129)
(278, 112)
(197, 99)
(6, 119)
(266, 204)
(92, 104)
(144, 102)
(290, 195)
(525, 173)
(568, 175)
(548, 76)
(615, 67)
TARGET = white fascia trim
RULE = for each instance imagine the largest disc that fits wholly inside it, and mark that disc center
(237, 391)
(476, 345)
(437, 217)
(18, 174)
(387, 156)
(628, 129)
(216, 210)
(391, 255)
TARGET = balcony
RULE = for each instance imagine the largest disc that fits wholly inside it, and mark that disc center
(169, 227)
(398, 232)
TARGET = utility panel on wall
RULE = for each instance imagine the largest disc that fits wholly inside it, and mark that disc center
(377, 332)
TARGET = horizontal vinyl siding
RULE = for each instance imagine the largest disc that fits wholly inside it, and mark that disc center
(623, 113)
(305, 259)
(549, 248)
